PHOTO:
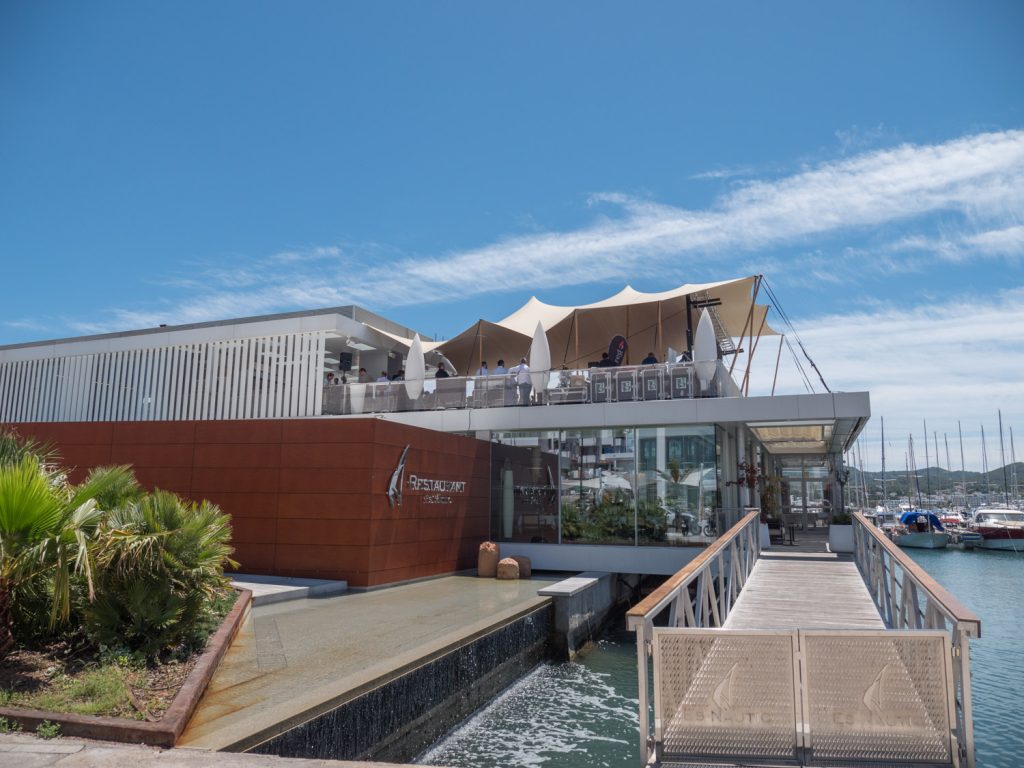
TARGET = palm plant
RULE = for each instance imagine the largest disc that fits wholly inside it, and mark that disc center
(160, 564)
(14, 447)
(43, 531)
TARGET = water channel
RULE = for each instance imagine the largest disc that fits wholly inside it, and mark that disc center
(583, 714)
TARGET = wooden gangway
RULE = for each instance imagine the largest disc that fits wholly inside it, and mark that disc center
(804, 658)
(788, 592)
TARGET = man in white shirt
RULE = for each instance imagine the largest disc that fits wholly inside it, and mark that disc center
(522, 374)
(483, 369)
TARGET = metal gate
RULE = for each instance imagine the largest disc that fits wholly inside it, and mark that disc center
(804, 697)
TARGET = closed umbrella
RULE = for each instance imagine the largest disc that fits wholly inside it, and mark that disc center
(415, 368)
(540, 360)
(705, 350)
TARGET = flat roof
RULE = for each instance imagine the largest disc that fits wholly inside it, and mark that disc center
(351, 311)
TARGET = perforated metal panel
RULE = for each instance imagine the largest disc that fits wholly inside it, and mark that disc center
(878, 696)
(724, 694)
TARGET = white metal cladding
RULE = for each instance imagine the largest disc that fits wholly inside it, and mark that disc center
(250, 378)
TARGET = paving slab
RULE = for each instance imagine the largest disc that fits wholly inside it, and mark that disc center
(291, 659)
(25, 751)
(278, 589)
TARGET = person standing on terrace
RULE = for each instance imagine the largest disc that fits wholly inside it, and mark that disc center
(650, 359)
(522, 374)
(441, 372)
(483, 369)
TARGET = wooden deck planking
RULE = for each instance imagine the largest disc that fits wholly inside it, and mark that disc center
(804, 594)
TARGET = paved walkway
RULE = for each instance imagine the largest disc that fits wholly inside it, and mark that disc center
(24, 751)
(292, 658)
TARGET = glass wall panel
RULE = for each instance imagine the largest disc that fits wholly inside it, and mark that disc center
(677, 478)
(524, 487)
(598, 486)
(654, 486)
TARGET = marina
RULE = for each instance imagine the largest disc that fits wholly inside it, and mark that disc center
(574, 715)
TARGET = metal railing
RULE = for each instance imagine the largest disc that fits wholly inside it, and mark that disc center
(908, 598)
(700, 595)
(899, 695)
(621, 384)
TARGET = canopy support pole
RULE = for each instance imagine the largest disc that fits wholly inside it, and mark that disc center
(661, 339)
(576, 324)
(748, 322)
(782, 338)
(750, 358)
(689, 326)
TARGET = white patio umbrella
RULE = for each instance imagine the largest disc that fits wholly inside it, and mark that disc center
(540, 360)
(415, 368)
(705, 350)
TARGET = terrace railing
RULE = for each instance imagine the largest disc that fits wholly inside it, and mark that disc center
(592, 385)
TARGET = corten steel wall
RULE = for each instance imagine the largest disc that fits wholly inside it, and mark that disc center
(307, 497)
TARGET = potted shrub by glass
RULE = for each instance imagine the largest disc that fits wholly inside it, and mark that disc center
(840, 532)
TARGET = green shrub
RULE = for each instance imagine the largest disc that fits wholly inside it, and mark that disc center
(47, 730)
(159, 570)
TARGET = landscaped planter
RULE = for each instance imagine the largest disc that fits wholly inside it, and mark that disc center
(165, 731)
(840, 537)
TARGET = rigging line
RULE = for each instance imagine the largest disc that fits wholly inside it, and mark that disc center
(785, 317)
(799, 366)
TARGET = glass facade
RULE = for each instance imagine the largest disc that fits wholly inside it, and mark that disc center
(649, 486)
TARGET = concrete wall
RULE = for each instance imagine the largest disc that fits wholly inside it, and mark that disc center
(307, 497)
(582, 608)
(602, 557)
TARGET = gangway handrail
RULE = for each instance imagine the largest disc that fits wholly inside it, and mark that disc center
(720, 572)
(656, 602)
(908, 598)
(953, 610)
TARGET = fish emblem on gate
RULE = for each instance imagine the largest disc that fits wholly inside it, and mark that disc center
(725, 695)
(873, 697)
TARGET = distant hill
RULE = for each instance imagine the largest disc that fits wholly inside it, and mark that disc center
(939, 480)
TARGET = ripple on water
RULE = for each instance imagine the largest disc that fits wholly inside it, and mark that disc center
(575, 714)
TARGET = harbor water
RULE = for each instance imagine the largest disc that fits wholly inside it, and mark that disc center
(583, 714)
(990, 584)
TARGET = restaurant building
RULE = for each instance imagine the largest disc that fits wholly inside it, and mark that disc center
(625, 467)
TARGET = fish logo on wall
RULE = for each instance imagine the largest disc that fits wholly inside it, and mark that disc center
(395, 485)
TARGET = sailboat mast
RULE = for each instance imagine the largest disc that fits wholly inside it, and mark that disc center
(984, 464)
(963, 470)
(885, 497)
(917, 477)
(1002, 459)
(1013, 463)
(864, 482)
(927, 460)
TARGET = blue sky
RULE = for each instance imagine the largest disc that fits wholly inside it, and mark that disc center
(442, 162)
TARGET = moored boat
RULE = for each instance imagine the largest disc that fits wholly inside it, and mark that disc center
(921, 530)
(999, 527)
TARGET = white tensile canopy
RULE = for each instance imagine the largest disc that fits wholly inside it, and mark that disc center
(650, 322)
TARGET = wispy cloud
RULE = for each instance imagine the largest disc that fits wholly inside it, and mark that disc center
(723, 173)
(976, 182)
